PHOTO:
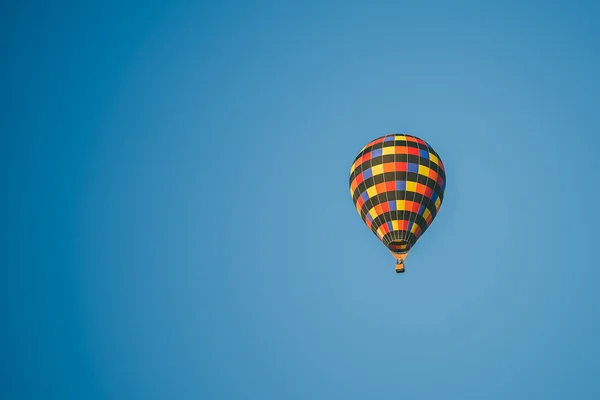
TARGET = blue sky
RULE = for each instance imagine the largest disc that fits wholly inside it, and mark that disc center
(177, 224)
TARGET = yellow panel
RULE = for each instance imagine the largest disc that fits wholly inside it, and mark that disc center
(372, 191)
(414, 228)
(423, 170)
(400, 205)
(395, 225)
(411, 186)
(373, 213)
(433, 158)
(377, 169)
(437, 203)
(426, 213)
(388, 150)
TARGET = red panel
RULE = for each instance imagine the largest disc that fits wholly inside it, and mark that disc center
(420, 141)
(384, 207)
(360, 178)
(401, 166)
(413, 151)
(428, 192)
(390, 186)
(359, 202)
(416, 207)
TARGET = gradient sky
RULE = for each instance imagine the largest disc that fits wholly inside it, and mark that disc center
(176, 221)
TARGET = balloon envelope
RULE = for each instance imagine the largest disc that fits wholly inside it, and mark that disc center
(397, 184)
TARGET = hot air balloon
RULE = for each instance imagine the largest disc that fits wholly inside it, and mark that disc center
(397, 184)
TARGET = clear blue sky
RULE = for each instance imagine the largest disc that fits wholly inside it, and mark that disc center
(176, 221)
